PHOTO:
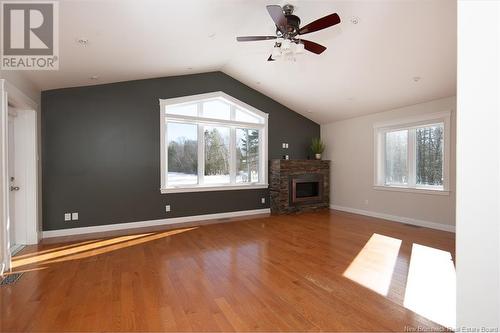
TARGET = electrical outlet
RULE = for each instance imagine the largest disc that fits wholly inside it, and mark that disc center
(263, 200)
(67, 216)
(74, 216)
(167, 208)
(366, 202)
(283, 145)
(286, 145)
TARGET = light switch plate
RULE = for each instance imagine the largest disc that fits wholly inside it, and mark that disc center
(67, 216)
(74, 216)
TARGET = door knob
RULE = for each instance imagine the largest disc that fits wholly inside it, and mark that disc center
(15, 188)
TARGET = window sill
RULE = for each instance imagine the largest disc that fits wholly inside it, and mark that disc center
(211, 188)
(412, 190)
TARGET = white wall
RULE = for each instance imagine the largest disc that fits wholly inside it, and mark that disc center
(350, 146)
(478, 165)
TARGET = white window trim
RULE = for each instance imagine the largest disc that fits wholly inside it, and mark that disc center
(421, 190)
(381, 128)
(232, 124)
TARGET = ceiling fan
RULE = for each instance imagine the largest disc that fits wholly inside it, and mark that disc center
(288, 29)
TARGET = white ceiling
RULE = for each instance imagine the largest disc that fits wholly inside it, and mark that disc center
(367, 68)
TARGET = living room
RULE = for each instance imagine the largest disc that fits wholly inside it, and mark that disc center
(249, 166)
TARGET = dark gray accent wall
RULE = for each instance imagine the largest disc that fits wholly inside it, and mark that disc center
(101, 151)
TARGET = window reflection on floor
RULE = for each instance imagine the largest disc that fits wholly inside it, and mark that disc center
(90, 248)
(431, 281)
(430, 287)
(374, 265)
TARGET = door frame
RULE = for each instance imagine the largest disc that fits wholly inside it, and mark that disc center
(27, 128)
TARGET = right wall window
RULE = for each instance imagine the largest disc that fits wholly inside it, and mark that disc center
(413, 154)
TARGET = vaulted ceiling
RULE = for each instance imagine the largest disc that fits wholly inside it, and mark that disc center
(368, 67)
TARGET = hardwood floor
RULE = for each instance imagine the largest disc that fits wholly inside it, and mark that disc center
(325, 270)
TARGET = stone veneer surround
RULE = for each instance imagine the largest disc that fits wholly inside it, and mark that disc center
(281, 174)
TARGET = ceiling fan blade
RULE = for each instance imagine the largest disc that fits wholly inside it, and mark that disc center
(278, 17)
(254, 38)
(271, 58)
(312, 46)
(320, 24)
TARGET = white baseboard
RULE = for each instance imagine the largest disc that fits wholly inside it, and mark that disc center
(151, 223)
(395, 218)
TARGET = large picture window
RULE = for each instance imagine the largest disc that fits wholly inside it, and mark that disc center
(212, 142)
(413, 154)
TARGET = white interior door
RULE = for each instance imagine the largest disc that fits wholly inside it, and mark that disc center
(23, 200)
(4, 207)
(12, 196)
(15, 232)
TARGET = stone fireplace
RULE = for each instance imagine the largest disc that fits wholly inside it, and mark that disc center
(299, 185)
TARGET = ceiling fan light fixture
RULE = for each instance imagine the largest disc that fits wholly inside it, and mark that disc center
(288, 29)
(286, 44)
(299, 48)
(276, 53)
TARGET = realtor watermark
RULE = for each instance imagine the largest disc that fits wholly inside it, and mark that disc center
(427, 329)
(462, 329)
(30, 35)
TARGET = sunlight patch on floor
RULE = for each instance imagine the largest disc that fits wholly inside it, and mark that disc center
(374, 265)
(36, 269)
(94, 248)
(54, 249)
(430, 288)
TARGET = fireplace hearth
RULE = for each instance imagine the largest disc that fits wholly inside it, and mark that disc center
(299, 185)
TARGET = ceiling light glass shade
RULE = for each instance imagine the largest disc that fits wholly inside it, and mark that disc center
(286, 50)
(299, 48)
(285, 45)
(276, 53)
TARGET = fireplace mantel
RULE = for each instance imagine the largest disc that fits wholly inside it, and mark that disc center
(285, 175)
